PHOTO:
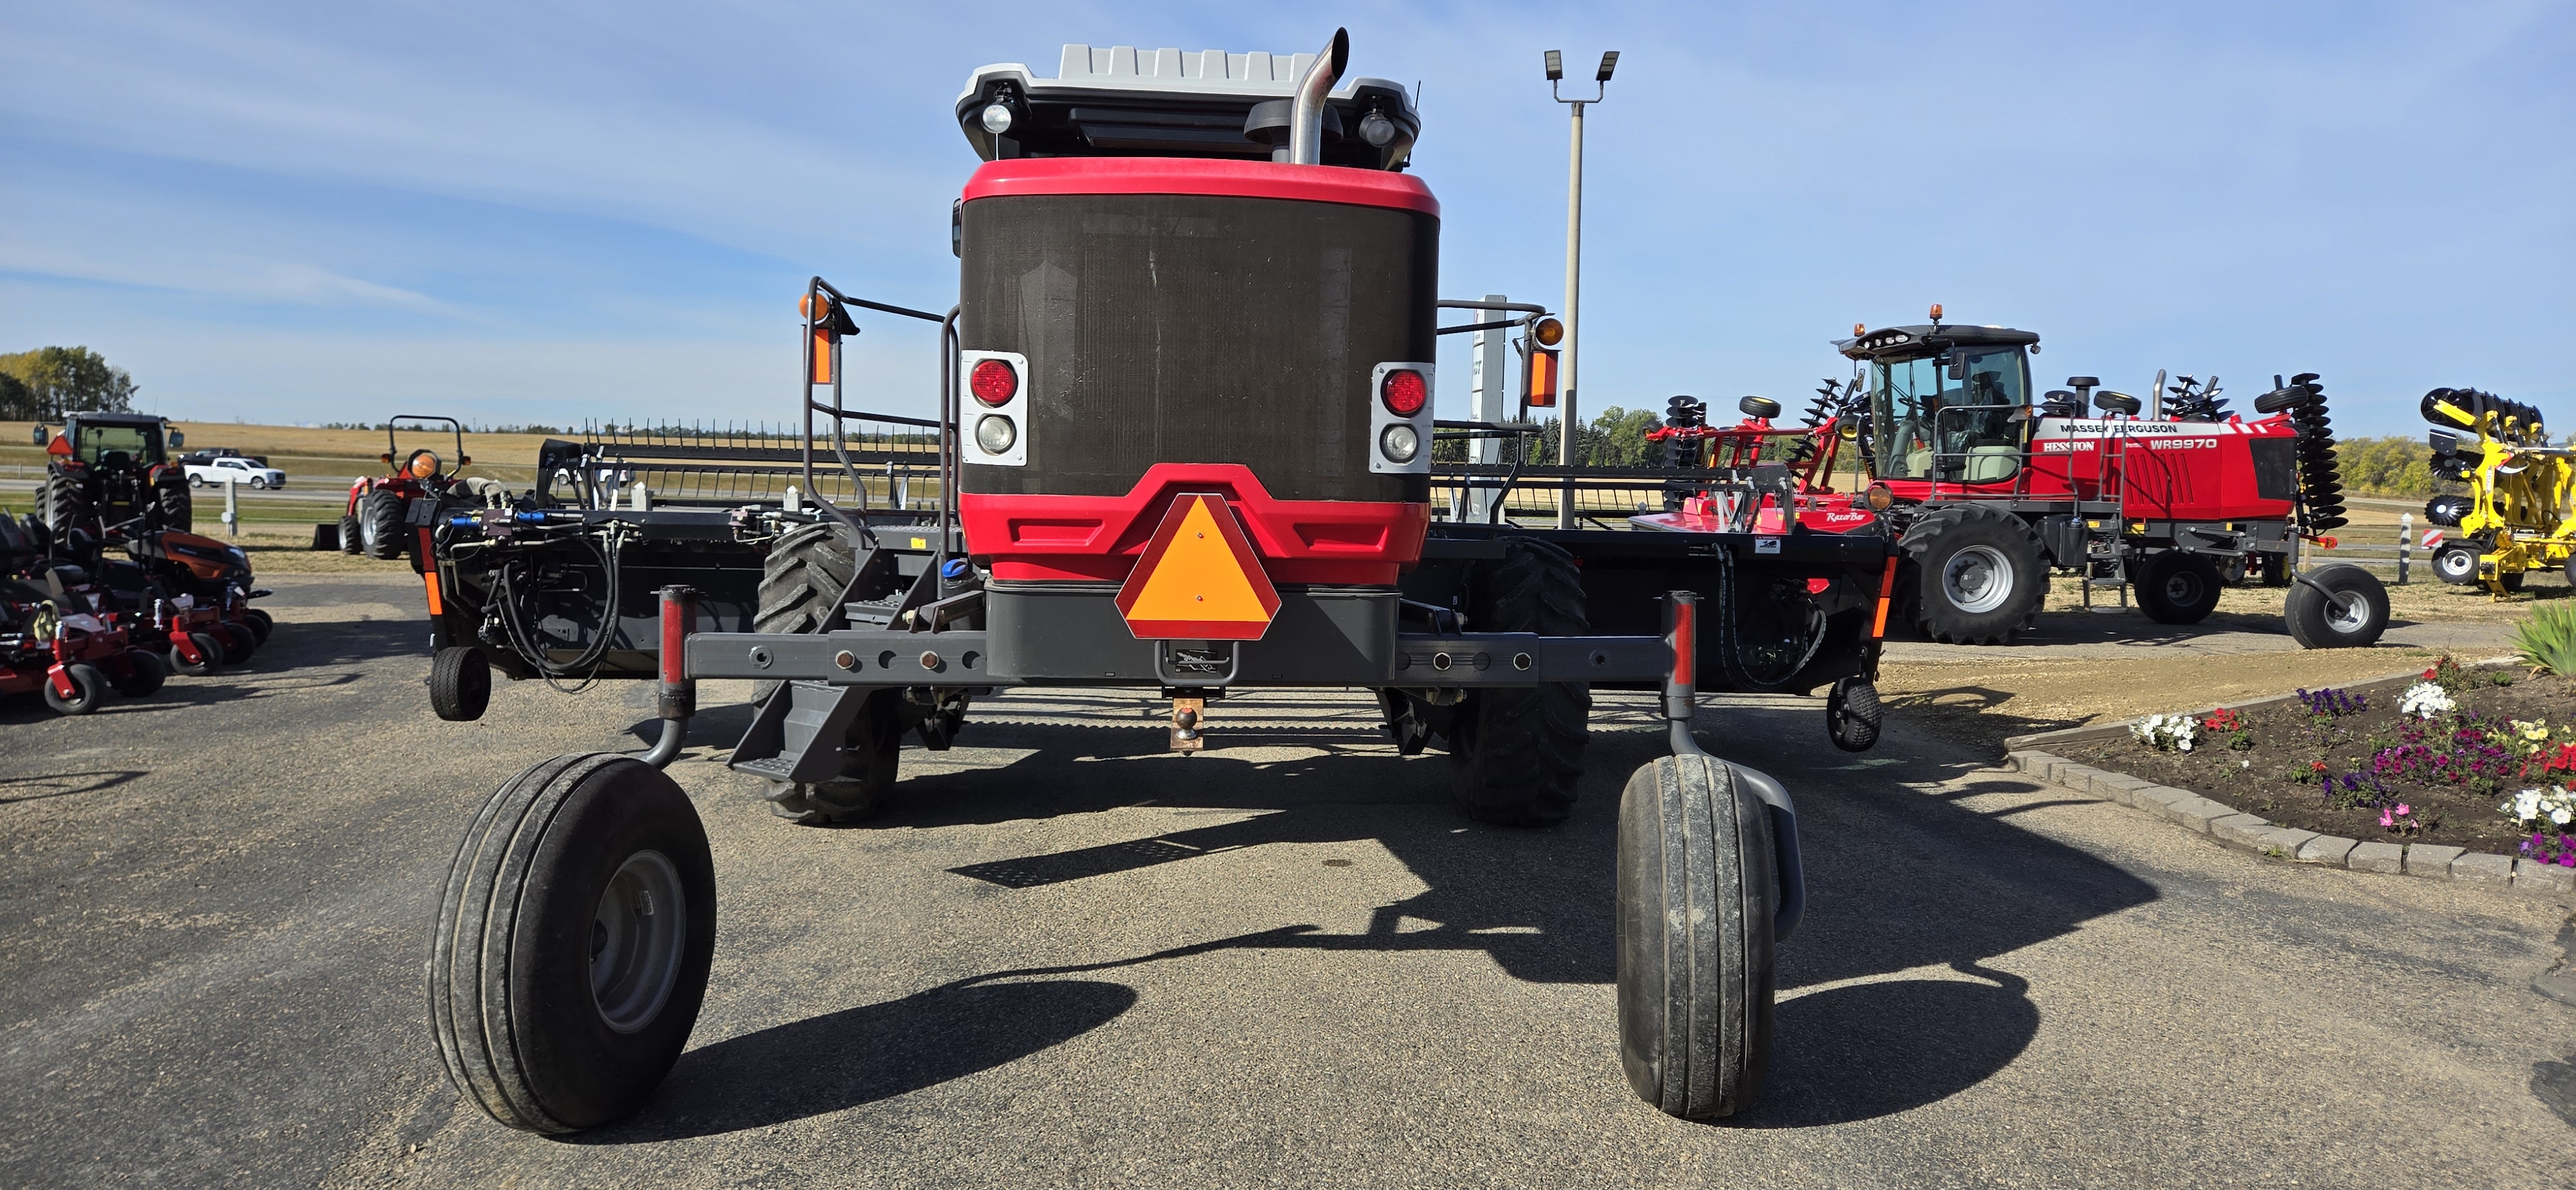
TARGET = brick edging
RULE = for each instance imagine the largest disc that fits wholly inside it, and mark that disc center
(2246, 832)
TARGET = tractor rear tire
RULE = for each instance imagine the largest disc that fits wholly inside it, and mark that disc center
(173, 507)
(2177, 587)
(2457, 562)
(1697, 899)
(349, 534)
(207, 647)
(144, 674)
(1978, 575)
(1517, 752)
(460, 683)
(89, 688)
(572, 944)
(1853, 714)
(801, 581)
(2341, 606)
(870, 762)
(380, 525)
(60, 506)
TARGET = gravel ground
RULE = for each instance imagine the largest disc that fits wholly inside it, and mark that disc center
(1158, 970)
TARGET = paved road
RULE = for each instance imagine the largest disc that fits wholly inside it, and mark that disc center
(1067, 957)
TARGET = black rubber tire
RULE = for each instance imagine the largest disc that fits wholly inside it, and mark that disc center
(2274, 569)
(2279, 399)
(260, 623)
(1517, 752)
(89, 688)
(2177, 587)
(144, 674)
(460, 683)
(807, 569)
(511, 1003)
(2457, 562)
(172, 506)
(1969, 534)
(1697, 897)
(2358, 590)
(1853, 714)
(207, 646)
(349, 534)
(239, 643)
(871, 755)
(380, 525)
(2511, 582)
(60, 505)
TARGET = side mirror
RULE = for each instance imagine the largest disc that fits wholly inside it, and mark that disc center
(2445, 442)
(464, 460)
(178, 440)
(1958, 364)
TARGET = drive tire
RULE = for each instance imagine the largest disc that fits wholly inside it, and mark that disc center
(380, 524)
(871, 756)
(1853, 714)
(563, 979)
(2457, 562)
(60, 505)
(1697, 900)
(1517, 752)
(89, 689)
(2349, 613)
(1978, 575)
(144, 674)
(2176, 587)
(349, 532)
(460, 683)
(801, 580)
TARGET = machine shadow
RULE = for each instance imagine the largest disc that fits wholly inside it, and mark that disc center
(54, 785)
(860, 1055)
(1823, 1037)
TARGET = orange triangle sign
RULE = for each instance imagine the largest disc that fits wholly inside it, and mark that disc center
(1199, 579)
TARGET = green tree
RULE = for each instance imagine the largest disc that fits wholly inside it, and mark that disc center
(60, 380)
(17, 401)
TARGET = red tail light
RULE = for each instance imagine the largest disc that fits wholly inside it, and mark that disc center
(993, 382)
(1404, 392)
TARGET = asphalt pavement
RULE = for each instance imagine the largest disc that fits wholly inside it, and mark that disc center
(1066, 956)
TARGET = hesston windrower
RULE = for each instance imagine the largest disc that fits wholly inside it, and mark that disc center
(1185, 447)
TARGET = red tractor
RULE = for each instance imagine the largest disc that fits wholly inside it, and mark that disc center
(1990, 492)
(112, 469)
(374, 523)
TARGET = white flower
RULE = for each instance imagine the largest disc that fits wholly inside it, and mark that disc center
(2424, 700)
(2560, 815)
(2532, 805)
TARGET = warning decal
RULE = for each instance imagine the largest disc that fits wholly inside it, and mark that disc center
(1198, 579)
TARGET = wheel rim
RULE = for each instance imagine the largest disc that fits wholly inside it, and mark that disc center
(2182, 589)
(636, 936)
(1977, 579)
(2456, 562)
(2347, 612)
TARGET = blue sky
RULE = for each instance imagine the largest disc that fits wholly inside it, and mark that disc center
(543, 212)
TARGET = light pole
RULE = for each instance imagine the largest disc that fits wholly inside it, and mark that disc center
(1567, 420)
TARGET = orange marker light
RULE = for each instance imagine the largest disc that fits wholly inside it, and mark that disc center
(1886, 593)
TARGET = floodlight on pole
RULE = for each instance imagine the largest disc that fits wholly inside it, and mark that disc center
(1567, 421)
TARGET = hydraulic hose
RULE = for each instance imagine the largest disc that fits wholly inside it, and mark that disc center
(1730, 655)
(506, 593)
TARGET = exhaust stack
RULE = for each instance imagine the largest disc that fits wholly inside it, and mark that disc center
(1306, 123)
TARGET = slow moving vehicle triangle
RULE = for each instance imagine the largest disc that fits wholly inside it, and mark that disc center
(1198, 578)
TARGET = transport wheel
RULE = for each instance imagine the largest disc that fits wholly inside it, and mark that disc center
(2177, 587)
(1697, 897)
(1517, 752)
(1852, 714)
(870, 754)
(59, 504)
(2457, 562)
(380, 518)
(572, 943)
(176, 508)
(2341, 606)
(144, 673)
(349, 533)
(207, 648)
(460, 683)
(1977, 575)
(89, 688)
(802, 579)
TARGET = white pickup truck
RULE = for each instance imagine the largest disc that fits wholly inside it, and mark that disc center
(231, 469)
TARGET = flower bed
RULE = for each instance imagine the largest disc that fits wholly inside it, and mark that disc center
(2480, 760)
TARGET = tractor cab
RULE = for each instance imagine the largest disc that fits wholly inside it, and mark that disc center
(115, 441)
(1946, 402)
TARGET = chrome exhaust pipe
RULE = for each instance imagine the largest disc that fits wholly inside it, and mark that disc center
(1306, 121)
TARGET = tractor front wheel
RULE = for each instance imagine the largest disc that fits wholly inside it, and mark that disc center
(380, 518)
(460, 683)
(349, 534)
(1697, 899)
(2341, 606)
(1517, 751)
(572, 944)
(1978, 575)
(89, 689)
(2177, 587)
